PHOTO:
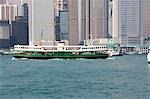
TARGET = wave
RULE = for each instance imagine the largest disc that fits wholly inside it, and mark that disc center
(111, 58)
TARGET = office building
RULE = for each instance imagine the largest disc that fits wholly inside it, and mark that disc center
(19, 4)
(60, 5)
(20, 29)
(41, 20)
(57, 28)
(8, 12)
(127, 27)
(87, 18)
(146, 20)
(110, 18)
(73, 22)
(64, 31)
(25, 11)
(4, 34)
(19, 32)
(2, 1)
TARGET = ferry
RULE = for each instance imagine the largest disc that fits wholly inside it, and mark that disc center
(60, 51)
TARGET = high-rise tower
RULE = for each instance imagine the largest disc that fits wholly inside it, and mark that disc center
(8, 12)
(87, 18)
(127, 24)
(146, 20)
(60, 5)
(41, 20)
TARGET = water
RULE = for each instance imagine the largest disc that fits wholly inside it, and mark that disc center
(126, 77)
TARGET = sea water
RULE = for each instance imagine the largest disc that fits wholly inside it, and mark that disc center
(125, 77)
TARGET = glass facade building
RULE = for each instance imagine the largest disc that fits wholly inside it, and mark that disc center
(64, 35)
(127, 25)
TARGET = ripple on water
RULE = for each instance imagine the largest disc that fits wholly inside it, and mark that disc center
(125, 77)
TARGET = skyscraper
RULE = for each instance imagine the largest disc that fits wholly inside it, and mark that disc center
(110, 18)
(2, 1)
(20, 28)
(8, 12)
(64, 35)
(18, 3)
(4, 34)
(73, 22)
(99, 18)
(146, 20)
(60, 5)
(127, 25)
(87, 18)
(41, 20)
